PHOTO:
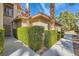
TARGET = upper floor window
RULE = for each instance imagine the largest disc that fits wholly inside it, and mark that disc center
(8, 11)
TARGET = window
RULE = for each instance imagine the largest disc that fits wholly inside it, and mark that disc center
(8, 11)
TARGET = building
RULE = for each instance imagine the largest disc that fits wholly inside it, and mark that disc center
(40, 19)
(8, 11)
(11, 18)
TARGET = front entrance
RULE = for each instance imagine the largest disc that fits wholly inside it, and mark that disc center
(8, 30)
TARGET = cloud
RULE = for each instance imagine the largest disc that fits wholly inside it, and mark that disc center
(57, 5)
(45, 8)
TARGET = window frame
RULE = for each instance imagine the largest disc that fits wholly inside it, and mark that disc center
(8, 10)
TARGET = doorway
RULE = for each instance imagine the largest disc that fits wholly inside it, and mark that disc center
(8, 30)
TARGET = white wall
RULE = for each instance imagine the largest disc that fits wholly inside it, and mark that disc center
(39, 23)
(1, 15)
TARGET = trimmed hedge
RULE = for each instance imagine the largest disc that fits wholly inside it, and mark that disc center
(22, 34)
(35, 37)
(60, 35)
(50, 38)
(1, 41)
(15, 33)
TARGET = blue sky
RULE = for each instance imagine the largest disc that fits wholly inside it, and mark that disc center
(44, 7)
(65, 7)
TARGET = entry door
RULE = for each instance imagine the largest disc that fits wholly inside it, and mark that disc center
(7, 30)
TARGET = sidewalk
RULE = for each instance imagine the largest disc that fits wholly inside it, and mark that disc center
(13, 47)
(63, 47)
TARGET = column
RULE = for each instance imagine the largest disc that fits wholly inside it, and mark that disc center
(1, 15)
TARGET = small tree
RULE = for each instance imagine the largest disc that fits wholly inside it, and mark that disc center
(67, 20)
(77, 23)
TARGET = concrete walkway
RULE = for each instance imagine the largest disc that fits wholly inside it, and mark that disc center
(63, 47)
(13, 47)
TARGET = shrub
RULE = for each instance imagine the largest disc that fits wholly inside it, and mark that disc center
(22, 34)
(77, 29)
(15, 33)
(50, 38)
(35, 37)
(60, 35)
(1, 41)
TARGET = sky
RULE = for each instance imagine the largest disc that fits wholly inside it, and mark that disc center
(45, 8)
(39, 7)
(61, 7)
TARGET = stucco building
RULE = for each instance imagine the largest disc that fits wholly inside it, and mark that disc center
(40, 19)
(8, 12)
(10, 19)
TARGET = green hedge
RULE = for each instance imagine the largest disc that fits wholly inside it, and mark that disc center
(35, 37)
(1, 41)
(60, 35)
(22, 34)
(15, 33)
(50, 38)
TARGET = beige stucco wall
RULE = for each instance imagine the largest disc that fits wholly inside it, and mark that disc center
(58, 28)
(52, 26)
(25, 24)
(7, 20)
(39, 23)
(1, 15)
(15, 11)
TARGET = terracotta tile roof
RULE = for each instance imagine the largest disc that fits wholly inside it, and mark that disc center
(41, 16)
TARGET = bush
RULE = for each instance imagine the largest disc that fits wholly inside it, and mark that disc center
(60, 35)
(77, 30)
(35, 37)
(1, 41)
(22, 34)
(50, 38)
(15, 33)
